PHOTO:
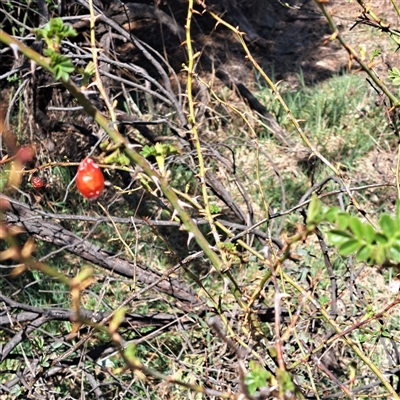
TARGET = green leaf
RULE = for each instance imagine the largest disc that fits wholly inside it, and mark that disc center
(148, 151)
(172, 149)
(48, 52)
(375, 53)
(123, 159)
(357, 227)
(349, 247)
(65, 31)
(362, 338)
(343, 220)
(62, 66)
(369, 234)
(381, 238)
(16, 391)
(88, 73)
(53, 32)
(395, 252)
(384, 333)
(388, 225)
(337, 236)
(256, 378)
(324, 300)
(228, 246)
(161, 149)
(314, 210)
(39, 341)
(394, 76)
(214, 209)
(332, 213)
(364, 253)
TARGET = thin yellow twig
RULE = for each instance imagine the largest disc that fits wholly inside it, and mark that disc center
(94, 49)
(192, 121)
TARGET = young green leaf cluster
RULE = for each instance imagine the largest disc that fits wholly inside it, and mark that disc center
(352, 236)
(53, 33)
(257, 377)
(394, 76)
(160, 151)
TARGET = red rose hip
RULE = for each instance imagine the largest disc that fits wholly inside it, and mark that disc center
(90, 179)
(37, 182)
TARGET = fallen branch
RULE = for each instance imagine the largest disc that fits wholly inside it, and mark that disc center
(52, 232)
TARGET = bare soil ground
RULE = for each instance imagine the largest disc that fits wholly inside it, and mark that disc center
(287, 39)
(298, 37)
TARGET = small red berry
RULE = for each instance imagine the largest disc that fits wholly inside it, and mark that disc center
(90, 179)
(37, 182)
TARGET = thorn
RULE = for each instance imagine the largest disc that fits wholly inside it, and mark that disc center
(183, 204)
(157, 182)
(132, 146)
(15, 50)
(174, 214)
(191, 236)
(265, 250)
